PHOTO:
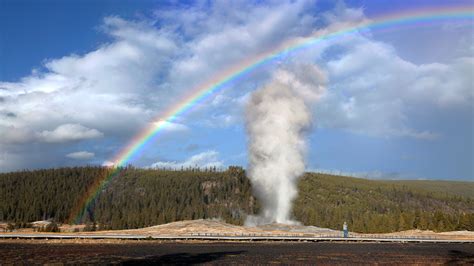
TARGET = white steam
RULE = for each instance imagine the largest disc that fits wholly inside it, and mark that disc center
(277, 117)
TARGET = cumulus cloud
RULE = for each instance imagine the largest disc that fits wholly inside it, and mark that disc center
(204, 159)
(81, 155)
(373, 91)
(148, 65)
(145, 67)
(95, 88)
(69, 132)
(62, 133)
(107, 89)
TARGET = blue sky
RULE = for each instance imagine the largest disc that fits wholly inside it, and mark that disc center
(78, 79)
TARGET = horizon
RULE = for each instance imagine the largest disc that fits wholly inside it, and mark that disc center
(365, 176)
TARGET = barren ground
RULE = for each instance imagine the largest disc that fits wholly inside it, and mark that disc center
(214, 227)
(183, 228)
(111, 251)
(218, 253)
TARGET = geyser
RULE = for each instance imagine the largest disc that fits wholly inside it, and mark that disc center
(277, 117)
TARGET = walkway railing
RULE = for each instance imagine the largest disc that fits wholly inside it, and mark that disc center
(331, 236)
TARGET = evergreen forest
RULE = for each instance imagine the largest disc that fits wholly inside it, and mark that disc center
(134, 198)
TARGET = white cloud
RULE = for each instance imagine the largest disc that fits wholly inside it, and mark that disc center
(81, 155)
(120, 86)
(108, 164)
(231, 33)
(97, 88)
(69, 132)
(63, 133)
(171, 126)
(375, 92)
(202, 160)
(148, 66)
(110, 90)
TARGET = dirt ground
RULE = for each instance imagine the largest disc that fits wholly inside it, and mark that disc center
(216, 253)
(214, 227)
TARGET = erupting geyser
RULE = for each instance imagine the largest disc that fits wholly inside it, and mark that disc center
(277, 117)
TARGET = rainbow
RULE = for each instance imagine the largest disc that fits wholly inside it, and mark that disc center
(203, 91)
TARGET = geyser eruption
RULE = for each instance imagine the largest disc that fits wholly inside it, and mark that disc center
(277, 117)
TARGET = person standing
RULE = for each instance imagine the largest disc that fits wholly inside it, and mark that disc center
(345, 230)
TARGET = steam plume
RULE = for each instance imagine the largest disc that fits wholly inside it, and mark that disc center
(277, 117)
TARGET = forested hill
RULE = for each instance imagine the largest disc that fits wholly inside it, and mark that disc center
(143, 197)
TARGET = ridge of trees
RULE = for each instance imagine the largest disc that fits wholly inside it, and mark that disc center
(137, 198)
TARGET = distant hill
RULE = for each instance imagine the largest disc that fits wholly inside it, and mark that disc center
(384, 206)
(456, 188)
(143, 197)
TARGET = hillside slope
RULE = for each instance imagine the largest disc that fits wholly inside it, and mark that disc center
(143, 197)
(384, 206)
